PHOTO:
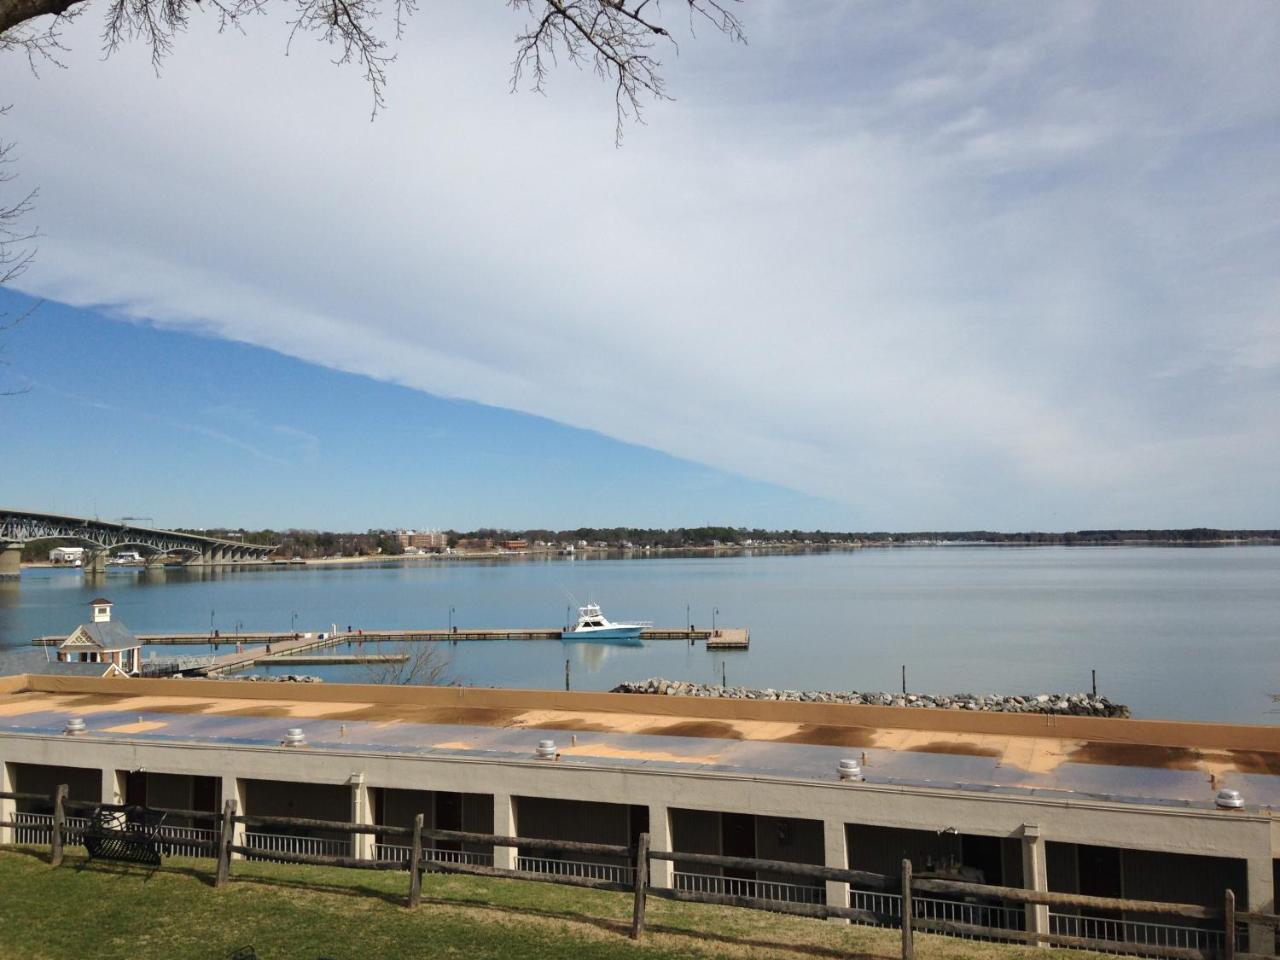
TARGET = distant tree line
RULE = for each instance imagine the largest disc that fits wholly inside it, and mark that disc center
(314, 543)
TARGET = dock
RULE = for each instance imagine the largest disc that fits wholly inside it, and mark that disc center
(320, 659)
(723, 638)
(263, 648)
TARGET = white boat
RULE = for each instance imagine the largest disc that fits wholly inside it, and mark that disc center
(593, 625)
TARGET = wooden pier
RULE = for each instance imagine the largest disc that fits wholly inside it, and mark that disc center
(253, 649)
(331, 659)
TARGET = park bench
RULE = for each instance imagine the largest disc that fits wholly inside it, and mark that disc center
(130, 834)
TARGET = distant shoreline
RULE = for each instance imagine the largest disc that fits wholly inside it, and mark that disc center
(637, 553)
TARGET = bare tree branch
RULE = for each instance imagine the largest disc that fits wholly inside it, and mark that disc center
(426, 665)
(17, 248)
(616, 38)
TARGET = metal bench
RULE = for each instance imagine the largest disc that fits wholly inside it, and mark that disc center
(130, 834)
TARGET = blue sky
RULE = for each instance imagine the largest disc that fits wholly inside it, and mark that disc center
(122, 419)
(891, 266)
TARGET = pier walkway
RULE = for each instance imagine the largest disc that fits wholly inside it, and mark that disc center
(266, 647)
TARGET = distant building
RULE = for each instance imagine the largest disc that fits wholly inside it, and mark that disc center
(475, 543)
(422, 539)
(73, 555)
(102, 641)
(514, 544)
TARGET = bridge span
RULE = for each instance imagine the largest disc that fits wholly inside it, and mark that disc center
(18, 527)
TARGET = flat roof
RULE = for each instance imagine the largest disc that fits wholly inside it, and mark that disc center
(1134, 761)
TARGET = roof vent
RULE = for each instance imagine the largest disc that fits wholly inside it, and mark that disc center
(294, 737)
(850, 770)
(75, 726)
(546, 750)
(1229, 799)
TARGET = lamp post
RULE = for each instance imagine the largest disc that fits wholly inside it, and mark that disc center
(210, 624)
(688, 618)
(715, 612)
(293, 623)
(451, 610)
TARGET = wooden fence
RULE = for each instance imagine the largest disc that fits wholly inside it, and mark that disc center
(640, 857)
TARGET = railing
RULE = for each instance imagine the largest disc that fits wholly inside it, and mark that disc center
(1136, 931)
(173, 837)
(284, 843)
(612, 873)
(35, 827)
(756, 889)
(390, 851)
(887, 907)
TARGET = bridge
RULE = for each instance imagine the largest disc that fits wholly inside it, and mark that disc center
(18, 527)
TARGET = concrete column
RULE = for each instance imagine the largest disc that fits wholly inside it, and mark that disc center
(155, 560)
(1262, 896)
(834, 834)
(218, 556)
(361, 812)
(504, 825)
(1035, 876)
(113, 785)
(95, 562)
(10, 561)
(8, 808)
(660, 871)
(233, 789)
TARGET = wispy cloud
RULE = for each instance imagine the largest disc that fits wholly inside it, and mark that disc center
(976, 265)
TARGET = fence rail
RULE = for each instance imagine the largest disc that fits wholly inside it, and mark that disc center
(952, 908)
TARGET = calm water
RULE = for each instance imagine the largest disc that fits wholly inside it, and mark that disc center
(1177, 633)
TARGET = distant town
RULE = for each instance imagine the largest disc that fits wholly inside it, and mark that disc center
(316, 544)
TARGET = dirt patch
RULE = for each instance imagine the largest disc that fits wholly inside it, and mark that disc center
(713, 729)
(263, 710)
(828, 735)
(408, 713)
(569, 723)
(955, 748)
(1135, 755)
(1250, 761)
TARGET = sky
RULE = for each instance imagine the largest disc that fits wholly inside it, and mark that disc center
(890, 265)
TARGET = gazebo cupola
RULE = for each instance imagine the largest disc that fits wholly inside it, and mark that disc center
(101, 610)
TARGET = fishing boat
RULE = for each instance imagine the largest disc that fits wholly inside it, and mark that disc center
(593, 625)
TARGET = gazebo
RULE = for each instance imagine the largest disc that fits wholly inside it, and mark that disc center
(103, 641)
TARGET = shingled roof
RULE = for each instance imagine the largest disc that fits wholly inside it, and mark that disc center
(113, 635)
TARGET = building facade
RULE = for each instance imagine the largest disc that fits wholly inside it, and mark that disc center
(1067, 804)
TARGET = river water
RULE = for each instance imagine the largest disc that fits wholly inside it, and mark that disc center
(1179, 633)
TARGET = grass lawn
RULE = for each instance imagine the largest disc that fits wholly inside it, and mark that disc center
(102, 911)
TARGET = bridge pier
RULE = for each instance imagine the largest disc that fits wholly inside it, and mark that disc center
(10, 561)
(95, 563)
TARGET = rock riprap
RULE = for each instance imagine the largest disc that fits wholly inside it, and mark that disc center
(1070, 704)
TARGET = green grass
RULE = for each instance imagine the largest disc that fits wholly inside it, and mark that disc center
(98, 911)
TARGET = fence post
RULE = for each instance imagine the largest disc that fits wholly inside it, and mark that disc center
(908, 947)
(415, 864)
(225, 836)
(59, 825)
(642, 886)
(1229, 943)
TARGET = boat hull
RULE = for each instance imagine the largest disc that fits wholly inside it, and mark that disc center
(614, 632)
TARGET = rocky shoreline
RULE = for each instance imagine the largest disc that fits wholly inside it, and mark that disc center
(1068, 704)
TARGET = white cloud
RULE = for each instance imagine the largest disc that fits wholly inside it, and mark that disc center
(970, 266)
